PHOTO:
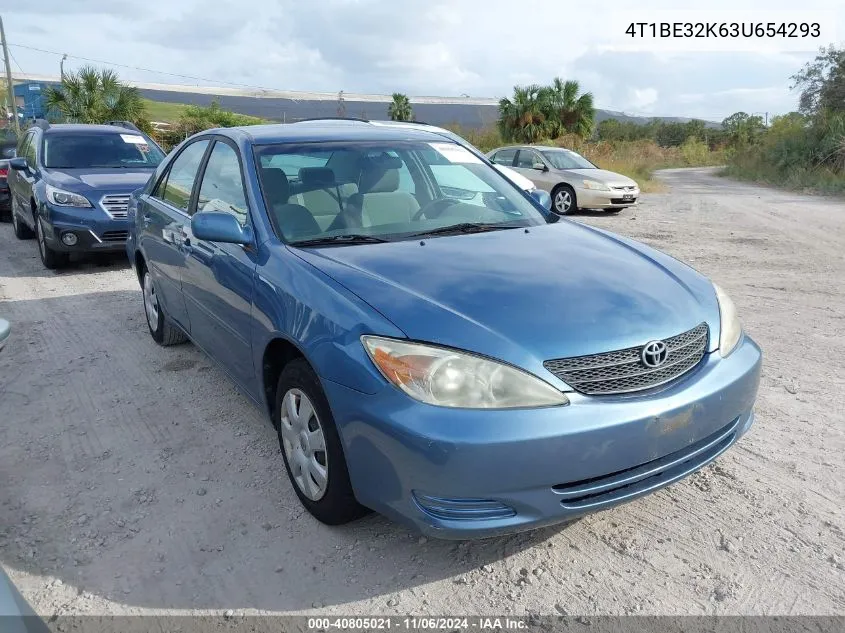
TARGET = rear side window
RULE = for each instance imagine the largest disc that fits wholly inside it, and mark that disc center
(177, 184)
(504, 157)
(222, 188)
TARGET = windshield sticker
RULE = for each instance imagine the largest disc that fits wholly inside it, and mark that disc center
(454, 153)
(133, 139)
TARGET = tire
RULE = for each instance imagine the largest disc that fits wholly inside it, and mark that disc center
(564, 201)
(22, 231)
(160, 327)
(51, 259)
(302, 431)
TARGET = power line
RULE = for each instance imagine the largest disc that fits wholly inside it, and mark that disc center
(12, 55)
(147, 70)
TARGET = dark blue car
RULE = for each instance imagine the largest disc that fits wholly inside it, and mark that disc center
(429, 340)
(70, 185)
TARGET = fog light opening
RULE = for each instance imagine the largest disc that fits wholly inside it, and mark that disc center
(69, 239)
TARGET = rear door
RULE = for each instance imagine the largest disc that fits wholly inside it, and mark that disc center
(218, 278)
(163, 224)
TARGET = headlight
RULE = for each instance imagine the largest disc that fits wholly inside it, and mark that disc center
(731, 328)
(66, 198)
(595, 185)
(448, 378)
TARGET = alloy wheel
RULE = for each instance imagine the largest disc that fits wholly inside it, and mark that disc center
(304, 444)
(150, 302)
(39, 233)
(563, 201)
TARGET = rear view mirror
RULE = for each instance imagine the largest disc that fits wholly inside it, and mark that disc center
(18, 164)
(216, 226)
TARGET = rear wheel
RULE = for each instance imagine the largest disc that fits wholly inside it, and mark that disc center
(50, 258)
(22, 231)
(161, 330)
(563, 200)
(311, 447)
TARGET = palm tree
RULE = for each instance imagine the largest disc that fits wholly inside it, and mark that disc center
(522, 118)
(566, 110)
(400, 108)
(95, 96)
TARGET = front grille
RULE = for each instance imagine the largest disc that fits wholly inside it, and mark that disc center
(624, 188)
(116, 205)
(114, 236)
(623, 371)
(592, 494)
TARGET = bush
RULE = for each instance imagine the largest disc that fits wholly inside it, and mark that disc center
(797, 151)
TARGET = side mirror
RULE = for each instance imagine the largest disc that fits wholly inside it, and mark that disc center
(539, 167)
(216, 226)
(542, 198)
(18, 164)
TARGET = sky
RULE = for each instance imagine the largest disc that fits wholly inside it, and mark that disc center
(480, 48)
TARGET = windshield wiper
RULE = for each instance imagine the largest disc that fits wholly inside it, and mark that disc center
(465, 227)
(340, 240)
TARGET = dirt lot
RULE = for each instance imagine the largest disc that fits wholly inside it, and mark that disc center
(136, 479)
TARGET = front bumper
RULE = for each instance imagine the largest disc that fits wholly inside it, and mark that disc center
(94, 230)
(459, 473)
(591, 199)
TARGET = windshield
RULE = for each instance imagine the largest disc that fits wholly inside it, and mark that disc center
(79, 150)
(567, 159)
(334, 191)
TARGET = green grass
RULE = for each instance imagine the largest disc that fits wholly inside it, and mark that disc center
(165, 112)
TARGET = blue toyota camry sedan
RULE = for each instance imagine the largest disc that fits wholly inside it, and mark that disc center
(430, 341)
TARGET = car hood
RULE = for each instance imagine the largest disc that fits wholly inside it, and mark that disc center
(602, 175)
(549, 292)
(86, 180)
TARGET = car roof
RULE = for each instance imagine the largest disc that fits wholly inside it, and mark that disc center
(59, 128)
(329, 130)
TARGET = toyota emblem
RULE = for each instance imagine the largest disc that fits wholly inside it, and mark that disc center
(654, 353)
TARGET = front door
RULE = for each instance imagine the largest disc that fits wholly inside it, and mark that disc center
(528, 162)
(21, 182)
(218, 279)
(163, 224)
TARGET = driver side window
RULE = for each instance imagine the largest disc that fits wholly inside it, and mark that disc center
(527, 159)
(222, 188)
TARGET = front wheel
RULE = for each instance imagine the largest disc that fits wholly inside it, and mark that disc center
(50, 258)
(311, 447)
(564, 201)
(161, 330)
(22, 231)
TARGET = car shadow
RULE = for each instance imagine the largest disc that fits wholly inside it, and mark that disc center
(140, 474)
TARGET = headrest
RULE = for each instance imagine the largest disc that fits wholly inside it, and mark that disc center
(276, 185)
(320, 177)
(384, 181)
(380, 174)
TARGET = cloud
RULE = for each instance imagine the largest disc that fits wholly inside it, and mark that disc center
(420, 47)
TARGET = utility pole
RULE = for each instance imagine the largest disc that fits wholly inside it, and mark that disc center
(9, 80)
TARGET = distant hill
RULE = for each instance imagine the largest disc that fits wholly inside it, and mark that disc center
(277, 105)
(472, 114)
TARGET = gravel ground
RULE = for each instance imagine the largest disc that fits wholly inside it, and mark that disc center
(135, 479)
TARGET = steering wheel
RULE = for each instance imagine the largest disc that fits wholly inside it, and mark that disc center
(434, 208)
